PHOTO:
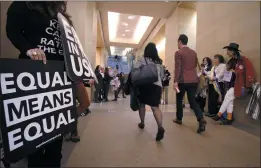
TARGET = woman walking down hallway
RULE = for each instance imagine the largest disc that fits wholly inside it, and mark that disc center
(150, 94)
(27, 23)
(98, 86)
(216, 85)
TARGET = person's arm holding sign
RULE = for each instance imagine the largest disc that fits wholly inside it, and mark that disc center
(15, 26)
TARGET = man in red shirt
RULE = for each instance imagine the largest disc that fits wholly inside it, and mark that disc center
(186, 80)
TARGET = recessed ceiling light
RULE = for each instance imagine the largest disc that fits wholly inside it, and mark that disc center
(131, 17)
(123, 34)
(127, 30)
(125, 24)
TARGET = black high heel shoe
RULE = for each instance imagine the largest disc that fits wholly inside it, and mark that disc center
(160, 134)
(141, 125)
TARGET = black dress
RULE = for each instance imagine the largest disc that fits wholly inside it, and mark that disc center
(150, 94)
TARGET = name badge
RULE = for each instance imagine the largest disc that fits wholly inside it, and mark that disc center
(227, 76)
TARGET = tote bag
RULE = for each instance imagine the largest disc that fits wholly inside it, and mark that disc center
(145, 74)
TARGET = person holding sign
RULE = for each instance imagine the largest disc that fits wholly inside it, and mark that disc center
(33, 29)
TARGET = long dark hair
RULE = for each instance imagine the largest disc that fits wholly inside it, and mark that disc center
(235, 52)
(208, 61)
(97, 69)
(151, 52)
(55, 6)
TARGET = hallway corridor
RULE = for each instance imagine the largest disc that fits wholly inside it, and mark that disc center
(110, 138)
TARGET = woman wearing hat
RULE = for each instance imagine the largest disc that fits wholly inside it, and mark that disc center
(244, 69)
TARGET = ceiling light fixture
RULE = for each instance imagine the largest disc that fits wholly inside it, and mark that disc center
(125, 51)
(125, 24)
(113, 21)
(127, 30)
(123, 34)
(142, 26)
(131, 17)
(112, 48)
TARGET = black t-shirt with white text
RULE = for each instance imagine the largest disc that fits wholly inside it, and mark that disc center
(29, 29)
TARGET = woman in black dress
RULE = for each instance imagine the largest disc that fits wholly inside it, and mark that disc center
(150, 94)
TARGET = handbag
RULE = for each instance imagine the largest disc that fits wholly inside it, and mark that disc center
(145, 74)
(134, 101)
(202, 79)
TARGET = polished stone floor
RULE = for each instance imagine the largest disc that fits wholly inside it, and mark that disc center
(110, 138)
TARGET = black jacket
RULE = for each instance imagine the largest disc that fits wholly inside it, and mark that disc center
(29, 29)
(107, 78)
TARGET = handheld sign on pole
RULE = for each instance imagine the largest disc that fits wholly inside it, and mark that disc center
(37, 105)
(77, 63)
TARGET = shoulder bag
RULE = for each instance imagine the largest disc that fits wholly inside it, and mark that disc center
(145, 74)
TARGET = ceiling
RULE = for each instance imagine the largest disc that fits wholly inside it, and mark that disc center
(128, 24)
(125, 28)
(120, 51)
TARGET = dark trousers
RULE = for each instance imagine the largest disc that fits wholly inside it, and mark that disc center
(48, 156)
(122, 89)
(106, 88)
(116, 93)
(191, 89)
(98, 88)
(212, 100)
(201, 102)
(75, 130)
(222, 90)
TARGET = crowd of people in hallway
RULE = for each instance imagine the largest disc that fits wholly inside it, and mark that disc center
(216, 81)
(147, 83)
(108, 78)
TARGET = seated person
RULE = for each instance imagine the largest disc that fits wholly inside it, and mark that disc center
(228, 103)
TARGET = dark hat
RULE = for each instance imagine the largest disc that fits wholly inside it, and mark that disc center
(233, 46)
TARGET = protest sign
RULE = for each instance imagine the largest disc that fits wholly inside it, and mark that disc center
(77, 63)
(37, 105)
